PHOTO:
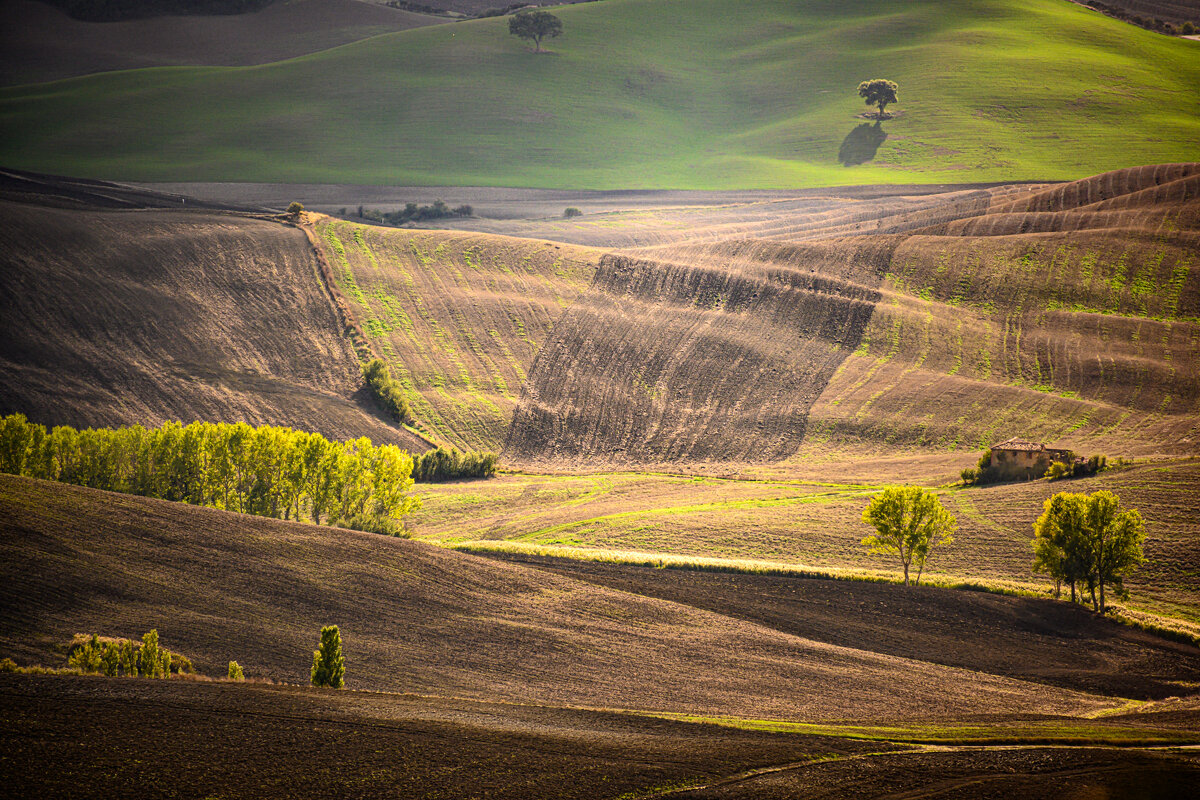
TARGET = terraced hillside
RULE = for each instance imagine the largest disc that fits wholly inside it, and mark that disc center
(116, 313)
(701, 94)
(459, 317)
(1069, 314)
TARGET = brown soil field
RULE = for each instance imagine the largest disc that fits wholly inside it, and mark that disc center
(458, 316)
(118, 310)
(417, 618)
(282, 741)
(818, 522)
(1025, 638)
(41, 43)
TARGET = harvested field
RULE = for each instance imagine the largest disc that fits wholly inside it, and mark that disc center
(284, 741)
(115, 315)
(817, 523)
(416, 618)
(458, 316)
(41, 43)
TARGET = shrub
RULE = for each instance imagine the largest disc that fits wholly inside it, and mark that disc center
(329, 666)
(235, 672)
(464, 211)
(8, 665)
(1058, 470)
(375, 523)
(87, 657)
(1187, 29)
(969, 476)
(447, 464)
(295, 209)
(572, 212)
(388, 392)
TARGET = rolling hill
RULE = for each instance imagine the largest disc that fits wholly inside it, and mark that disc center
(121, 307)
(697, 94)
(417, 618)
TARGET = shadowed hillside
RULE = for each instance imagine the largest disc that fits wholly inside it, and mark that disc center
(41, 43)
(221, 586)
(114, 316)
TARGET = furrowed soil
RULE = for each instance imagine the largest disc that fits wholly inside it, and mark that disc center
(119, 309)
(220, 586)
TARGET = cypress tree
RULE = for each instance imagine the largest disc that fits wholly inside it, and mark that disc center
(329, 667)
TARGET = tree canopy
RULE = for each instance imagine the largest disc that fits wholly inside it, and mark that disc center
(1089, 541)
(909, 521)
(329, 666)
(534, 26)
(878, 92)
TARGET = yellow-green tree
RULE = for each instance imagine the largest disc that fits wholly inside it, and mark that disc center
(909, 522)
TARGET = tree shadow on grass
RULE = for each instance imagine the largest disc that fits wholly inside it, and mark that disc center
(861, 144)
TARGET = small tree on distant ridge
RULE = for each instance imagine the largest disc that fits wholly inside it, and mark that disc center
(329, 666)
(878, 92)
(909, 521)
(534, 26)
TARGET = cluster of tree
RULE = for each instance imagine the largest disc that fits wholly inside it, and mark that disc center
(909, 522)
(268, 471)
(414, 213)
(1186, 28)
(329, 666)
(387, 390)
(1088, 541)
(144, 659)
(112, 10)
(448, 464)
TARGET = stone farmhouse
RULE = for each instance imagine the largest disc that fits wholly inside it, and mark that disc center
(1019, 460)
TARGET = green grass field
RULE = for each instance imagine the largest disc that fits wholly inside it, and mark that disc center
(644, 93)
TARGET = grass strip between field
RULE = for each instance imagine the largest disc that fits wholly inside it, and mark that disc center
(1037, 732)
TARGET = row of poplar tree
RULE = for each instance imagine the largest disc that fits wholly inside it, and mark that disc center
(268, 471)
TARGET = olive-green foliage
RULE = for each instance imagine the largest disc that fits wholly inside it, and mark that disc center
(572, 211)
(295, 209)
(535, 26)
(447, 464)
(329, 666)
(235, 672)
(388, 392)
(909, 521)
(115, 657)
(878, 92)
(8, 665)
(268, 471)
(1089, 541)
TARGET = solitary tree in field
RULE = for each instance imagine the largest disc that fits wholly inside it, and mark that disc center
(878, 92)
(329, 667)
(534, 26)
(1089, 540)
(909, 521)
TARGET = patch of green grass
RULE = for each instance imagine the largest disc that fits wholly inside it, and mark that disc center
(758, 93)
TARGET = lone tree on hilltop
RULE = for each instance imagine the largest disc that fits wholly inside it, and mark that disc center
(535, 26)
(878, 92)
(329, 667)
(1090, 540)
(909, 521)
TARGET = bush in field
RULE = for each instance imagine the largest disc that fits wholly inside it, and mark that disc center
(969, 476)
(295, 209)
(8, 665)
(329, 666)
(235, 672)
(909, 521)
(388, 392)
(116, 657)
(446, 464)
(572, 212)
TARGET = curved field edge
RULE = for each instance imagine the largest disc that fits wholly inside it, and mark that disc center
(754, 95)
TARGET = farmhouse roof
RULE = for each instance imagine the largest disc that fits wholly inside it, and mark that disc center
(1020, 444)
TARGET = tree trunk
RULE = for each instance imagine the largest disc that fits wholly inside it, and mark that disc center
(1101, 595)
(1073, 600)
(1095, 605)
(906, 573)
(1058, 588)
(537, 44)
